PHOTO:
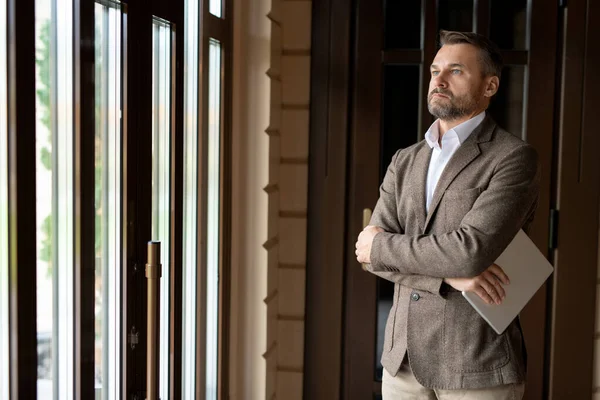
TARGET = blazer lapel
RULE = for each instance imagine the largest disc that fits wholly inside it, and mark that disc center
(464, 155)
(419, 182)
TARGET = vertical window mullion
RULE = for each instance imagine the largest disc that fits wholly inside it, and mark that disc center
(161, 184)
(106, 260)
(65, 195)
(108, 175)
(4, 354)
(215, 209)
(116, 199)
(57, 193)
(81, 249)
(21, 151)
(213, 217)
(190, 198)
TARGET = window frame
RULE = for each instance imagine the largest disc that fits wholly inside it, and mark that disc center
(21, 77)
(220, 29)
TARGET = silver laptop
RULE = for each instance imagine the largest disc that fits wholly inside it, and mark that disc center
(527, 269)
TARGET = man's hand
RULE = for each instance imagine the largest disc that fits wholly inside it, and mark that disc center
(487, 285)
(364, 242)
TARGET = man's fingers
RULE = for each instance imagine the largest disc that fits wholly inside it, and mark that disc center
(499, 272)
(481, 292)
(490, 288)
(495, 282)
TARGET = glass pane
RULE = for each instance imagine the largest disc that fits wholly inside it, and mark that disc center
(161, 180)
(507, 105)
(3, 210)
(108, 201)
(508, 24)
(190, 198)
(400, 130)
(402, 24)
(216, 8)
(455, 15)
(213, 214)
(400, 110)
(55, 196)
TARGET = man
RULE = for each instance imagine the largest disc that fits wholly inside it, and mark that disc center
(449, 205)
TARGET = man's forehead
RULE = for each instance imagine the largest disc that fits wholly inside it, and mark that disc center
(456, 54)
(449, 65)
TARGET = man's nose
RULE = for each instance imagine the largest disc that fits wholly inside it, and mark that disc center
(440, 81)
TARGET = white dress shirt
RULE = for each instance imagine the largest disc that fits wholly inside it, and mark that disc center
(451, 141)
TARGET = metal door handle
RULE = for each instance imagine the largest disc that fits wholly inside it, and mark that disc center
(367, 213)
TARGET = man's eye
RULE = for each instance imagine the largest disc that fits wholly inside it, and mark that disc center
(456, 71)
(434, 73)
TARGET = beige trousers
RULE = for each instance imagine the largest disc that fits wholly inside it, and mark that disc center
(404, 386)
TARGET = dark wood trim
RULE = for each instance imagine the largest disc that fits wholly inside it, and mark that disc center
(84, 257)
(216, 27)
(481, 17)
(226, 207)
(127, 219)
(376, 388)
(407, 56)
(326, 198)
(138, 145)
(538, 100)
(202, 213)
(429, 45)
(360, 304)
(21, 203)
(167, 10)
(571, 358)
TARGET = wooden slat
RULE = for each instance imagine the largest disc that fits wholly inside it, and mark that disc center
(578, 198)
(21, 199)
(539, 110)
(85, 255)
(331, 35)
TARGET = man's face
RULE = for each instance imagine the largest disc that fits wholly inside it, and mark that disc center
(457, 84)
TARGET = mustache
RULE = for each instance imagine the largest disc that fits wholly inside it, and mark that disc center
(441, 91)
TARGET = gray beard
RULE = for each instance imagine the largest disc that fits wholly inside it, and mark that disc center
(451, 111)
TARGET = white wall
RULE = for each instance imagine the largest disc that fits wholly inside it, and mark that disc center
(250, 147)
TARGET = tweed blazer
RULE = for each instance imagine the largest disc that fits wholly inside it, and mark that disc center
(486, 193)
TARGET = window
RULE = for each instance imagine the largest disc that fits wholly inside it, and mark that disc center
(216, 8)
(108, 201)
(55, 198)
(213, 229)
(161, 179)
(113, 164)
(190, 200)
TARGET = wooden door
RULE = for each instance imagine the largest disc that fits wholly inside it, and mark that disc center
(394, 45)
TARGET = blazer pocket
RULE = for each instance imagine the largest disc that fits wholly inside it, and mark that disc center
(470, 344)
(457, 203)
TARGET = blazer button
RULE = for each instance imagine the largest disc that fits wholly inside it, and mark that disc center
(415, 296)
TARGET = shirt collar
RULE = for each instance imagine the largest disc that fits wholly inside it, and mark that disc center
(462, 131)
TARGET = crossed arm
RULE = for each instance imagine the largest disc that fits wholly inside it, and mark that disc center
(462, 258)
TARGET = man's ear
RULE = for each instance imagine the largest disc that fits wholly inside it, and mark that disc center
(491, 87)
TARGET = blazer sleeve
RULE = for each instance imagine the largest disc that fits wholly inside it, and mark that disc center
(485, 231)
(385, 216)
